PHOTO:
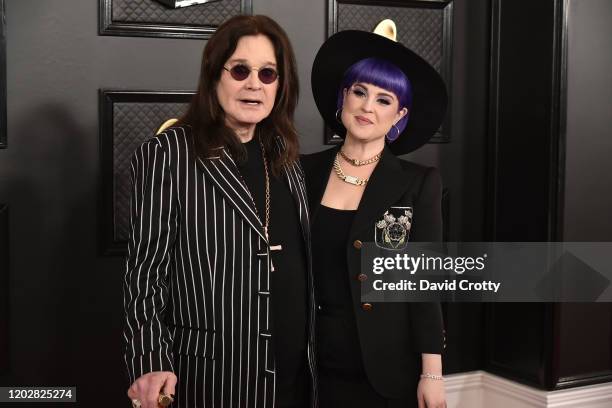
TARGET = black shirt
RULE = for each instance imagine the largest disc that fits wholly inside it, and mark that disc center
(337, 341)
(288, 286)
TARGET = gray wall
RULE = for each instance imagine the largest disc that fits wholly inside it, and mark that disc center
(65, 299)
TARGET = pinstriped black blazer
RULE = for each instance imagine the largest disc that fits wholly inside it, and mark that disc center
(197, 282)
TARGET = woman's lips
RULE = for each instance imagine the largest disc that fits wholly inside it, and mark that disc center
(363, 121)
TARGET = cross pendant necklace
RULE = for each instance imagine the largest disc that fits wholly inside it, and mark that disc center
(267, 215)
(272, 247)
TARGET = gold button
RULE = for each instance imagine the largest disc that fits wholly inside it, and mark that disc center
(366, 307)
(357, 244)
(362, 277)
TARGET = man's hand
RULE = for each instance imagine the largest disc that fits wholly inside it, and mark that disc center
(146, 388)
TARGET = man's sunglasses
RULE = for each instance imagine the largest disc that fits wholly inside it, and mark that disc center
(240, 72)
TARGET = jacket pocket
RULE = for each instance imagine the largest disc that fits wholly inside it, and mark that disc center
(192, 341)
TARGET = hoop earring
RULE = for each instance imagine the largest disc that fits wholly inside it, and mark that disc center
(392, 138)
(339, 118)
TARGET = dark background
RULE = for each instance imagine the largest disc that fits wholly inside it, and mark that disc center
(527, 160)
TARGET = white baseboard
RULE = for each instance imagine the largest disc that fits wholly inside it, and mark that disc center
(479, 389)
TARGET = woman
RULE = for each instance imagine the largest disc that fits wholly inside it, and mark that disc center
(371, 355)
(219, 203)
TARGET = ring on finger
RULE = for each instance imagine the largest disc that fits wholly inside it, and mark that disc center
(136, 403)
(165, 400)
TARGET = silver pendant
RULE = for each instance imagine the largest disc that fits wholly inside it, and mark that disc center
(351, 180)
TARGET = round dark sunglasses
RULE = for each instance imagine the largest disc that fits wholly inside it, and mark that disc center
(240, 72)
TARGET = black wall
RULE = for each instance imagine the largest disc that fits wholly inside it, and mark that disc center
(4, 284)
(65, 298)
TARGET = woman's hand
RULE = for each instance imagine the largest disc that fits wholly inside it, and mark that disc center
(431, 394)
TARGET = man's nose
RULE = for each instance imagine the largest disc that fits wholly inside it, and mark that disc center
(253, 81)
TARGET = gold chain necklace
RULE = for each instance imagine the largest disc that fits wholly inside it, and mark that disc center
(348, 179)
(266, 220)
(267, 205)
(357, 162)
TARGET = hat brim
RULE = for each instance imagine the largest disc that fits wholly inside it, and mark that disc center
(343, 49)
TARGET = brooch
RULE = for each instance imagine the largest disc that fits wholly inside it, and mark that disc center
(393, 230)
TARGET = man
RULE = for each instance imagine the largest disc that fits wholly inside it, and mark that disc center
(218, 288)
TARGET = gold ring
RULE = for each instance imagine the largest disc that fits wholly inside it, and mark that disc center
(136, 403)
(165, 400)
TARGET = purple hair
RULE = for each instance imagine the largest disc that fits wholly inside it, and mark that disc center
(384, 74)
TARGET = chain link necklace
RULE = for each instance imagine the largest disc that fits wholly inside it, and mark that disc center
(356, 181)
(266, 220)
(266, 173)
(357, 162)
(267, 205)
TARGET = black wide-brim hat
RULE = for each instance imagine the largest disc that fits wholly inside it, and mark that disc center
(343, 49)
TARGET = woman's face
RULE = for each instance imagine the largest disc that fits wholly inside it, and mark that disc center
(369, 112)
(248, 102)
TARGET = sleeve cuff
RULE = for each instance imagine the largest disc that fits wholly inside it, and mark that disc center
(149, 362)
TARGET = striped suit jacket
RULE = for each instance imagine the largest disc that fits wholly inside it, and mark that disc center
(197, 282)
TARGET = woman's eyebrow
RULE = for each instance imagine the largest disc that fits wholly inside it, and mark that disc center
(362, 85)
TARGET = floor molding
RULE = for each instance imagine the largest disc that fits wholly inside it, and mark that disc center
(479, 389)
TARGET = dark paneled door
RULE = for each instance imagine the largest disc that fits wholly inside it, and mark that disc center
(549, 127)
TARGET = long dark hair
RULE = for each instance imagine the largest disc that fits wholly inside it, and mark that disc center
(207, 118)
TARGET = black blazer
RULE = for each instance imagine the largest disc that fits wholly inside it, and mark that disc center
(392, 335)
(197, 282)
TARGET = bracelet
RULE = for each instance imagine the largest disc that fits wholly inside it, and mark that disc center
(432, 376)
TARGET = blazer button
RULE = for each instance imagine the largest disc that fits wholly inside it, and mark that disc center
(357, 244)
(366, 307)
(362, 277)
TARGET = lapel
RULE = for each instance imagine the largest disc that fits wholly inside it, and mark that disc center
(318, 177)
(384, 188)
(294, 176)
(224, 173)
